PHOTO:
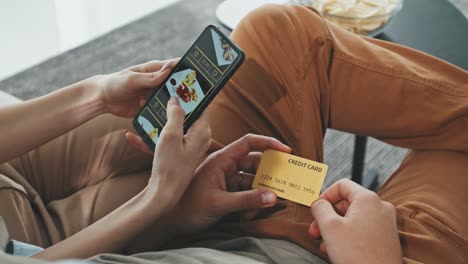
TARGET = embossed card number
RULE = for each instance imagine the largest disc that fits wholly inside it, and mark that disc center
(290, 177)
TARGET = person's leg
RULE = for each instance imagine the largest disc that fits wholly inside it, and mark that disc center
(361, 85)
(281, 90)
(429, 192)
(18, 212)
(75, 179)
(89, 154)
(302, 75)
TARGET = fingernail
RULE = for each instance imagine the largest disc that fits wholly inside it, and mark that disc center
(268, 198)
(174, 100)
(165, 67)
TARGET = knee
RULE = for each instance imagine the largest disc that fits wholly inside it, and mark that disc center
(267, 13)
(285, 21)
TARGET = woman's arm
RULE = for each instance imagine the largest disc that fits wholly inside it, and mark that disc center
(33, 123)
(28, 125)
(166, 186)
(111, 233)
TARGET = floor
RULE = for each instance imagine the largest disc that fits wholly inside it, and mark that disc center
(33, 31)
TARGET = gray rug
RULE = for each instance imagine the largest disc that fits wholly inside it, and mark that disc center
(149, 38)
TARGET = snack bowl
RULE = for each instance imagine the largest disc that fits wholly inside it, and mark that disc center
(364, 17)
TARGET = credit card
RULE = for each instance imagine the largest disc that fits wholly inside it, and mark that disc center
(290, 177)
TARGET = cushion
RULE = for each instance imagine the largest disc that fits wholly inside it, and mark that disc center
(8, 99)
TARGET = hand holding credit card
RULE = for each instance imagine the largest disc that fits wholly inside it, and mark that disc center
(290, 177)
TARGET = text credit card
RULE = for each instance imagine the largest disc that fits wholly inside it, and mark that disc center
(290, 177)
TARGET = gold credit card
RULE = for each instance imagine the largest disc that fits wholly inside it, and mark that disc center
(290, 177)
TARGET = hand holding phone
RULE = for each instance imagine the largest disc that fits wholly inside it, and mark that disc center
(195, 81)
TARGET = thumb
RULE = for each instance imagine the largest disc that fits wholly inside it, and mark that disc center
(324, 214)
(246, 200)
(149, 80)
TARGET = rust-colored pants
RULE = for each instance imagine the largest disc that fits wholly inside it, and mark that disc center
(301, 76)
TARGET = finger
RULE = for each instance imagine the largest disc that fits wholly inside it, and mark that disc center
(142, 101)
(240, 181)
(175, 121)
(246, 167)
(201, 123)
(343, 190)
(155, 65)
(146, 83)
(137, 142)
(250, 214)
(323, 249)
(341, 207)
(246, 181)
(146, 96)
(150, 66)
(250, 162)
(246, 200)
(314, 230)
(199, 134)
(241, 147)
(323, 213)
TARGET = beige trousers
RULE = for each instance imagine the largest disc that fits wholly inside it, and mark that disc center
(301, 76)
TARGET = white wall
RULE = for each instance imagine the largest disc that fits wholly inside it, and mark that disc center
(28, 30)
(82, 20)
(34, 30)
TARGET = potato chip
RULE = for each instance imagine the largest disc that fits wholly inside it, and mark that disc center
(346, 3)
(390, 8)
(362, 10)
(336, 9)
(326, 1)
(358, 14)
(376, 2)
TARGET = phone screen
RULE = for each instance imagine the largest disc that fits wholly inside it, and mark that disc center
(195, 80)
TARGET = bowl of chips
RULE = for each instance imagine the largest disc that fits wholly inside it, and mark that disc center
(364, 17)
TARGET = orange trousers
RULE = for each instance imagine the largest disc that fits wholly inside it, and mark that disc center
(301, 76)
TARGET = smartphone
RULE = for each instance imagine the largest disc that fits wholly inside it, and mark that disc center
(200, 74)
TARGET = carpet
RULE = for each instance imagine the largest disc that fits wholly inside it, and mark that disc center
(156, 36)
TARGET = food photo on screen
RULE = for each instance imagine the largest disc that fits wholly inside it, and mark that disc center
(149, 128)
(185, 86)
(225, 54)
